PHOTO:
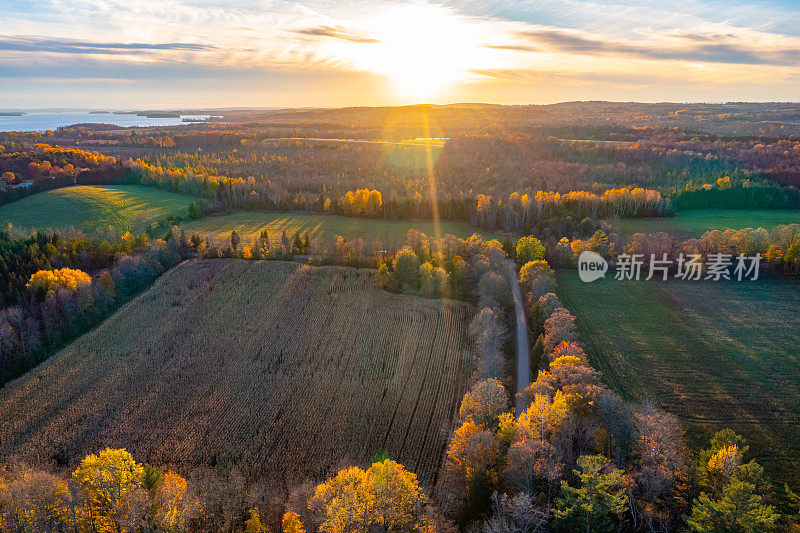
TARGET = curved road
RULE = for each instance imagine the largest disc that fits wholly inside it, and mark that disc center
(523, 348)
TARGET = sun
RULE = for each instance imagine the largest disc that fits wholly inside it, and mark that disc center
(422, 48)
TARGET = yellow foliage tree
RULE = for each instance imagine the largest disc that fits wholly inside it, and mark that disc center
(46, 282)
(113, 482)
(291, 523)
(385, 496)
(254, 525)
(36, 501)
(173, 507)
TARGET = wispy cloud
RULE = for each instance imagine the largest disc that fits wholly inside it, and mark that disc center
(337, 33)
(513, 47)
(70, 46)
(694, 47)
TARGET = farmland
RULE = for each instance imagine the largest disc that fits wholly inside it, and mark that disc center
(715, 354)
(322, 229)
(89, 208)
(686, 224)
(278, 370)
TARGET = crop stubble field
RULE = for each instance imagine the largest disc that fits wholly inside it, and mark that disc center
(280, 370)
(716, 354)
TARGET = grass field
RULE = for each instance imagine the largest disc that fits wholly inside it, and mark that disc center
(717, 355)
(686, 224)
(278, 370)
(85, 207)
(322, 229)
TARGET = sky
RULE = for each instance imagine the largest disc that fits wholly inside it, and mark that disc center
(181, 54)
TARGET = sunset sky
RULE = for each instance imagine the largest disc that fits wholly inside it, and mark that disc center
(192, 53)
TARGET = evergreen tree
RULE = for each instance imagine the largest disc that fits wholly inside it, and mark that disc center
(600, 496)
(739, 510)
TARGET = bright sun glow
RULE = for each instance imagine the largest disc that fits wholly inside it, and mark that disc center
(423, 48)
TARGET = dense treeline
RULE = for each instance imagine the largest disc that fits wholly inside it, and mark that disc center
(41, 161)
(736, 194)
(520, 214)
(468, 269)
(111, 492)
(48, 312)
(574, 213)
(42, 167)
(108, 492)
(779, 248)
(21, 256)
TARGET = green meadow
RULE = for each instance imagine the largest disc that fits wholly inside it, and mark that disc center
(322, 229)
(686, 224)
(90, 208)
(716, 354)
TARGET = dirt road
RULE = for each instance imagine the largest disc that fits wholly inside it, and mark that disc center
(523, 350)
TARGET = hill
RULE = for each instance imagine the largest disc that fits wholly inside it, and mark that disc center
(89, 208)
(275, 370)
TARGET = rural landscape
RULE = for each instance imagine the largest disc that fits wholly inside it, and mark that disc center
(378, 267)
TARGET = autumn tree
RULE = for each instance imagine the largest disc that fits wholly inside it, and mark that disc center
(659, 468)
(558, 328)
(536, 279)
(433, 281)
(36, 501)
(385, 496)
(542, 310)
(290, 523)
(46, 282)
(484, 402)
(253, 523)
(172, 506)
(568, 349)
(113, 482)
(493, 290)
(487, 335)
(529, 249)
(406, 269)
(473, 453)
(515, 514)
(534, 466)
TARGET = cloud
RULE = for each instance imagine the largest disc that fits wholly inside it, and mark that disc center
(336, 33)
(560, 76)
(512, 47)
(69, 46)
(512, 51)
(694, 47)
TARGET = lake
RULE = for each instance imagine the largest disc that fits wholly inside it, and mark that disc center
(50, 121)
